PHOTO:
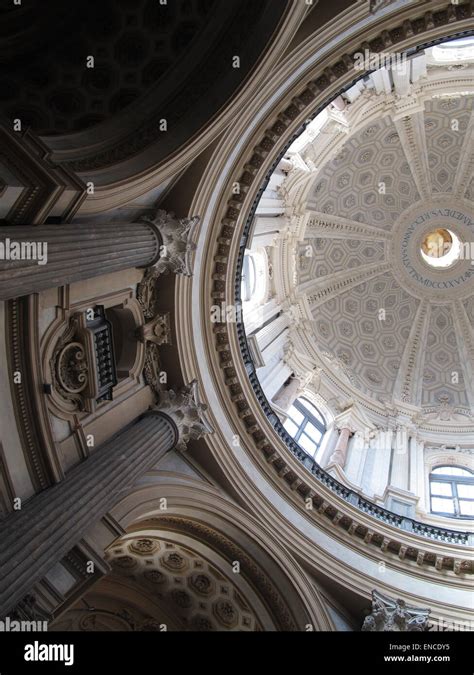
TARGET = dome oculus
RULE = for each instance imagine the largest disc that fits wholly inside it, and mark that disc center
(440, 248)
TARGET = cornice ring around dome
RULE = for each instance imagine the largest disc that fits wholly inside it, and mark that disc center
(251, 453)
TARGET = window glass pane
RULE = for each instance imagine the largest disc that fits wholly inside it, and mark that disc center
(314, 411)
(295, 415)
(441, 505)
(467, 508)
(291, 428)
(312, 432)
(248, 278)
(441, 489)
(307, 444)
(451, 471)
(465, 491)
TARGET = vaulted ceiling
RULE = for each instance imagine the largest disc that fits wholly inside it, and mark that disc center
(397, 330)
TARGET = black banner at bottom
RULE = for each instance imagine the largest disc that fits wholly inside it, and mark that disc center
(92, 652)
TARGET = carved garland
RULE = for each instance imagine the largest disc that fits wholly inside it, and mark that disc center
(229, 229)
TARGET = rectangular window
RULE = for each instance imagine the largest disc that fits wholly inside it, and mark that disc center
(313, 432)
(295, 415)
(307, 444)
(442, 505)
(465, 491)
(466, 508)
(291, 427)
(444, 489)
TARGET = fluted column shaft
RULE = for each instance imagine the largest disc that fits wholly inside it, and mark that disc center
(52, 522)
(73, 253)
(340, 451)
(271, 331)
(286, 396)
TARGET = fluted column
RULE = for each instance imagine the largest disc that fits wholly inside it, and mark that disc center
(63, 254)
(275, 346)
(53, 521)
(400, 460)
(340, 451)
(275, 377)
(270, 332)
(286, 396)
(257, 316)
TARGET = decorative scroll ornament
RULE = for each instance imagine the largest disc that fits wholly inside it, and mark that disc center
(187, 412)
(82, 365)
(177, 235)
(394, 615)
(72, 368)
(69, 369)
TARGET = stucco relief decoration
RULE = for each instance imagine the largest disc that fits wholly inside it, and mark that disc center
(158, 330)
(394, 615)
(152, 369)
(144, 546)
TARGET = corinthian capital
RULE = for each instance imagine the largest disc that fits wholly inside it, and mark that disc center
(177, 237)
(187, 412)
(394, 615)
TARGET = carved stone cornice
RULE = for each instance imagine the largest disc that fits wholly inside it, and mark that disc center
(33, 186)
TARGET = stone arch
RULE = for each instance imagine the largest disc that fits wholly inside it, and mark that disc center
(199, 517)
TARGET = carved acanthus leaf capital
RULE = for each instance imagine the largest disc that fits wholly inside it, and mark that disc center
(394, 615)
(187, 412)
(177, 236)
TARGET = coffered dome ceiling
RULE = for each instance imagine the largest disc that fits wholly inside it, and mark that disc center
(385, 323)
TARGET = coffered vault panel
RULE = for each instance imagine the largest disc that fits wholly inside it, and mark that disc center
(446, 124)
(349, 185)
(443, 379)
(348, 327)
(330, 256)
